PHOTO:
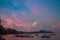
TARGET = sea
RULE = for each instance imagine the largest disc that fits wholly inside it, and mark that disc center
(36, 37)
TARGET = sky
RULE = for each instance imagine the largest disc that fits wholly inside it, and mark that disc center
(30, 15)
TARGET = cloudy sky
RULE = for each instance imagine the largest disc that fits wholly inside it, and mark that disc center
(30, 15)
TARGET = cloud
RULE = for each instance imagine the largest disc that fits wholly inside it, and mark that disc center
(34, 24)
(56, 26)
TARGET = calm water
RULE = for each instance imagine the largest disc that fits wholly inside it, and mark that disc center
(12, 37)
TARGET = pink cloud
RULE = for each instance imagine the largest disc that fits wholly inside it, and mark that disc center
(56, 26)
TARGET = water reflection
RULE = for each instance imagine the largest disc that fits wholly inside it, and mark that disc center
(16, 37)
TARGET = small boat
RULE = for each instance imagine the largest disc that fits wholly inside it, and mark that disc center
(45, 37)
(24, 36)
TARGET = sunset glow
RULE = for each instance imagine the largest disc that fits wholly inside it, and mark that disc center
(30, 14)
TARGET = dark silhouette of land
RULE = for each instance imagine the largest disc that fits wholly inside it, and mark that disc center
(2, 29)
(13, 31)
